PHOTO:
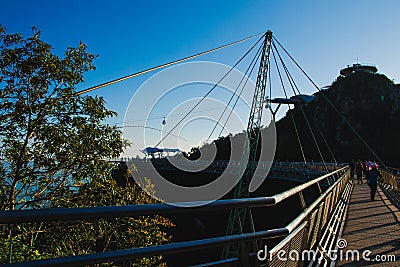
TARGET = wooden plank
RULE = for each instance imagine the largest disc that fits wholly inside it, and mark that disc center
(371, 225)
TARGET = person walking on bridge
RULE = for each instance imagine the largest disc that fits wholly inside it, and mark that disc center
(372, 178)
(352, 167)
(359, 171)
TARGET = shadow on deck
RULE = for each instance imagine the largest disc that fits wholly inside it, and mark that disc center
(373, 226)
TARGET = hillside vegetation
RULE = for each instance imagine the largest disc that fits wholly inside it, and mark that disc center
(367, 102)
(360, 106)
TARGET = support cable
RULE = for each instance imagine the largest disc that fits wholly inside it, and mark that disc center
(301, 107)
(291, 115)
(252, 65)
(235, 93)
(313, 119)
(331, 104)
(164, 65)
(212, 88)
(290, 77)
(297, 134)
(238, 97)
(269, 79)
(161, 117)
(326, 143)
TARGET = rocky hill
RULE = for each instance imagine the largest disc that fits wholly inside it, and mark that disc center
(370, 103)
(358, 111)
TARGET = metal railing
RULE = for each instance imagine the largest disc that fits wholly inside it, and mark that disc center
(333, 230)
(391, 178)
(296, 171)
(315, 231)
(220, 165)
(302, 232)
(390, 183)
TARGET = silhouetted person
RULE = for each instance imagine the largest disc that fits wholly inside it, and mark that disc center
(352, 166)
(364, 166)
(372, 178)
(359, 171)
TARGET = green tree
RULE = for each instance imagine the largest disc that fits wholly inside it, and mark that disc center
(50, 137)
(53, 150)
(81, 237)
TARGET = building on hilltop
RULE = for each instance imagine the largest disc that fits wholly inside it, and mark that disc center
(358, 68)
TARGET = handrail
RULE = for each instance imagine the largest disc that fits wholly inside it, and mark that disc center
(63, 214)
(391, 177)
(58, 214)
(142, 252)
(281, 196)
(11, 217)
(312, 230)
(307, 211)
(390, 184)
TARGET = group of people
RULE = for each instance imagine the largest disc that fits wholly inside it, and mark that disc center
(370, 169)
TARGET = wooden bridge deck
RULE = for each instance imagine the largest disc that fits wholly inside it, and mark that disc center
(371, 225)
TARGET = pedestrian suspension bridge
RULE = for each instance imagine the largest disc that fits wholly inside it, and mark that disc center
(333, 207)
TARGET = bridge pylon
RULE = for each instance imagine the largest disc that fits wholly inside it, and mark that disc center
(237, 217)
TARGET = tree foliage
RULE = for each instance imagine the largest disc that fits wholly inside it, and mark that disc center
(50, 137)
(53, 150)
(57, 239)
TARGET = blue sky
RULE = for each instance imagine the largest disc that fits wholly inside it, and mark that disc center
(129, 36)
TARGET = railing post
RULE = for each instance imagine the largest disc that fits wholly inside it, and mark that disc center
(254, 244)
(302, 201)
(305, 240)
(390, 185)
(319, 188)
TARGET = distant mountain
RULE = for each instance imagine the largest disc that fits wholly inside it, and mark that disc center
(370, 103)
